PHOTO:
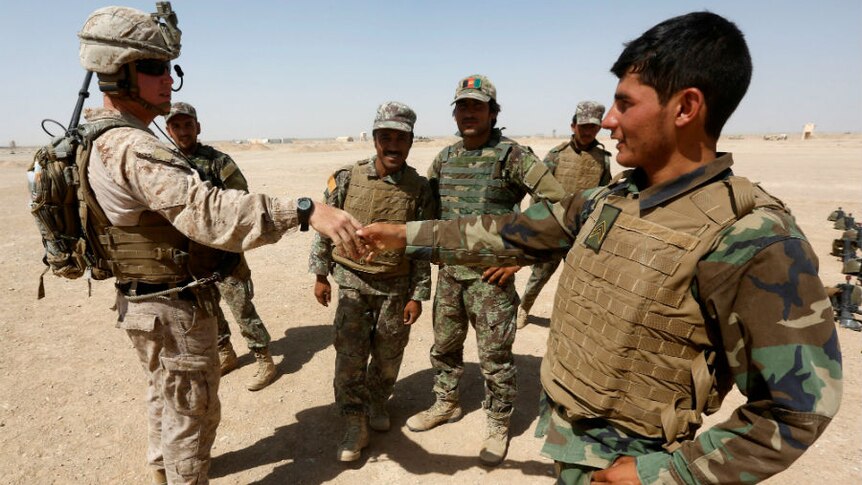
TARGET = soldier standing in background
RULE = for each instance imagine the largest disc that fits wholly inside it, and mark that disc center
(236, 288)
(579, 164)
(148, 216)
(681, 280)
(379, 301)
(485, 173)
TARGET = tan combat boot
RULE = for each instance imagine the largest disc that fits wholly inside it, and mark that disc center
(265, 370)
(523, 314)
(439, 413)
(378, 417)
(496, 441)
(159, 477)
(226, 358)
(355, 438)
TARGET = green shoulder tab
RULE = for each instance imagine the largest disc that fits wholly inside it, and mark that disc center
(159, 153)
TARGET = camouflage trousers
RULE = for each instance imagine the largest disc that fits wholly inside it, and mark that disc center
(237, 291)
(367, 326)
(581, 448)
(176, 345)
(541, 273)
(492, 311)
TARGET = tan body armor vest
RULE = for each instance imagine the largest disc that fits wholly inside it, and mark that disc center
(475, 184)
(152, 251)
(374, 200)
(628, 341)
(580, 171)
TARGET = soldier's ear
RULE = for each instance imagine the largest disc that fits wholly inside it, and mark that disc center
(690, 106)
(198, 126)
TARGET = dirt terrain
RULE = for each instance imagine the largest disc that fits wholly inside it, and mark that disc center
(71, 389)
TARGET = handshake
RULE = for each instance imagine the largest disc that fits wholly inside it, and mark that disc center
(354, 239)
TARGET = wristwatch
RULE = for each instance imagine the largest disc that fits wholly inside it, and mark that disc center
(304, 208)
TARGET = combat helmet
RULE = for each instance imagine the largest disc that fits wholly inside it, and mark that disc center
(115, 36)
(113, 39)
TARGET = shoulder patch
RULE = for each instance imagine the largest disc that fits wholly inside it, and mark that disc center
(158, 153)
(331, 184)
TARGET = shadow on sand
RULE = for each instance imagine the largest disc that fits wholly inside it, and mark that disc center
(309, 444)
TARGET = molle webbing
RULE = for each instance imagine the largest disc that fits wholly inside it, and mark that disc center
(473, 185)
(374, 200)
(154, 254)
(579, 171)
(628, 341)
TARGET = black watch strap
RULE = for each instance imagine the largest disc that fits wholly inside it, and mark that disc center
(304, 207)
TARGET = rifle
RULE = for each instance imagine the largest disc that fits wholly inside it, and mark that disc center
(83, 94)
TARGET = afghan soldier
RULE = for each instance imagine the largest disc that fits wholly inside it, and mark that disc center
(379, 301)
(237, 289)
(484, 173)
(579, 164)
(681, 280)
(148, 215)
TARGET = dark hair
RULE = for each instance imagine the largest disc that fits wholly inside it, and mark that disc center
(493, 108)
(699, 49)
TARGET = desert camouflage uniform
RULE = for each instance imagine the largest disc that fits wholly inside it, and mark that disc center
(132, 173)
(462, 297)
(369, 315)
(593, 154)
(768, 319)
(237, 288)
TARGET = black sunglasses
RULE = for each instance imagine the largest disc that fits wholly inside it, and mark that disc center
(153, 67)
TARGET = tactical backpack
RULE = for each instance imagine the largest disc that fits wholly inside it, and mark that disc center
(58, 205)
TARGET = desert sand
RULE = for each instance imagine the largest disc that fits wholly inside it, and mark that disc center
(72, 392)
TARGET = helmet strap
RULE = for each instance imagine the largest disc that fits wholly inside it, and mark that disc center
(124, 84)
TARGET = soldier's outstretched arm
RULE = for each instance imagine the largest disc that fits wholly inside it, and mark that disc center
(540, 233)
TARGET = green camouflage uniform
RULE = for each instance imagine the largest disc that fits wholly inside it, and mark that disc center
(237, 288)
(542, 272)
(768, 318)
(369, 315)
(462, 297)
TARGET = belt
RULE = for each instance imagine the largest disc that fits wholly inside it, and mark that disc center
(142, 288)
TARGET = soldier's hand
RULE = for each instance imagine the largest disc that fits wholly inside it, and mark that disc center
(623, 471)
(412, 311)
(499, 275)
(380, 236)
(322, 290)
(338, 226)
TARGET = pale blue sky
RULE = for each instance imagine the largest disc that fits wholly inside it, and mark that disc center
(319, 68)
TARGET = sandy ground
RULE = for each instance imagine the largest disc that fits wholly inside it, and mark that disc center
(71, 389)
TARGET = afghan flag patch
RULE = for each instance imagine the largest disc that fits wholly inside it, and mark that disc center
(600, 231)
(471, 83)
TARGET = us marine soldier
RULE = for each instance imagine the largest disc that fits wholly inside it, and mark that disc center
(379, 301)
(579, 164)
(681, 280)
(147, 213)
(484, 173)
(219, 169)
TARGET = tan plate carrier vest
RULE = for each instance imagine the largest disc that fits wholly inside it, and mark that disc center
(373, 200)
(628, 341)
(580, 171)
(151, 252)
(473, 185)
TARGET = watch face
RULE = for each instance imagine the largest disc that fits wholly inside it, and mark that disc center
(303, 204)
